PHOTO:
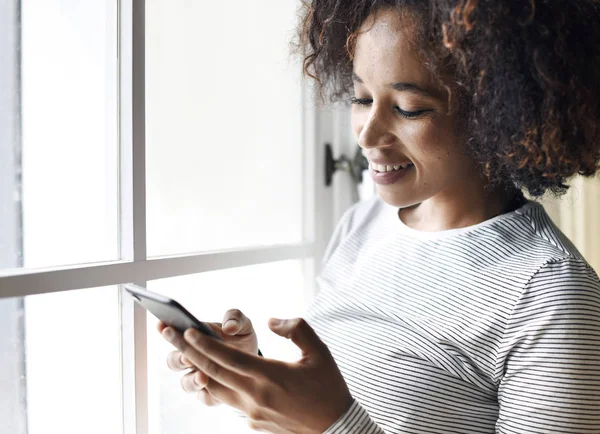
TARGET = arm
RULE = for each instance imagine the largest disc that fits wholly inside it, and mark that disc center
(550, 354)
(356, 420)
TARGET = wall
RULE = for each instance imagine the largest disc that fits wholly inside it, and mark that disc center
(577, 214)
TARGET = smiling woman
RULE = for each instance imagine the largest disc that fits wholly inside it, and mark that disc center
(448, 303)
(403, 116)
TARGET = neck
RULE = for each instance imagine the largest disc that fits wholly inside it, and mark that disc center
(445, 211)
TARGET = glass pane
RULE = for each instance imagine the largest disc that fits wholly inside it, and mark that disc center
(261, 292)
(59, 153)
(60, 364)
(224, 125)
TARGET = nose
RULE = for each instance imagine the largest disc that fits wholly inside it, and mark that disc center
(374, 130)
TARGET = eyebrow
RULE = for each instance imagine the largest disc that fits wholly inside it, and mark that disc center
(402, 86)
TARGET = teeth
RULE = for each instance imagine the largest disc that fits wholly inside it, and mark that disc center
(384, 168)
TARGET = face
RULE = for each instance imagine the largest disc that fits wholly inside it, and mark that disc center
(400, 116)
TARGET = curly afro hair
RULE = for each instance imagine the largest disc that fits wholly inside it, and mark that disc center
(526, 73)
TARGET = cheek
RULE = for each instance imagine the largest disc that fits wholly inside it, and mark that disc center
(436, 144)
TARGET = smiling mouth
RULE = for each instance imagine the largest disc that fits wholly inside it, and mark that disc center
(381, 168)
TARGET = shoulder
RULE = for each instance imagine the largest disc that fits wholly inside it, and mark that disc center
(362, 213)
(550, 349)
(524, 240)
(561, 293)
(561, 280)
(522, 248)
(357, 219)
(545, 233)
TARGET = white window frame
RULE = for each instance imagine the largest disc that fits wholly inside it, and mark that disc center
(321, 212)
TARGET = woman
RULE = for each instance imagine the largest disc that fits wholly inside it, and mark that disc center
(449, 303)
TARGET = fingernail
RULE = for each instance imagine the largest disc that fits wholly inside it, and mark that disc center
(185, 361)
(169, 334)
(231, 323)
(197, 379)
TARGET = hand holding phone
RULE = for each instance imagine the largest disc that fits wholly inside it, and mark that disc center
(236, 329)
(169, 311)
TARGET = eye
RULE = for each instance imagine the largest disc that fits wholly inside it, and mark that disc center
(403, 113)
(361, 101)
(410, 115)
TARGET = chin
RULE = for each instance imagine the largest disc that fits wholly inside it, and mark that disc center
(398, 199)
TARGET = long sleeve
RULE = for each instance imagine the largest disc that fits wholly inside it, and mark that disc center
(356, 420)
(493, 328)
(550, 355)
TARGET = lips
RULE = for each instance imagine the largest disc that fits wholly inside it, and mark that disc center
(391, 177)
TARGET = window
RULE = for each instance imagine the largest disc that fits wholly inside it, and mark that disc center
(64, 118)
(61, 363)
(170, 144)
(260, 291)
(223, 105)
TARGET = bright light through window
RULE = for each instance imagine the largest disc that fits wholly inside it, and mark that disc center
(66, 161)
(224, 125)
(64, 350)
(226, 169)
(260, 292)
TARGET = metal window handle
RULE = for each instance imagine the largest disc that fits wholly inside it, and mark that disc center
(354, 167)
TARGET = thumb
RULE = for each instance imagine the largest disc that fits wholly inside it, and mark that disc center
(236, 323)
(301, 334)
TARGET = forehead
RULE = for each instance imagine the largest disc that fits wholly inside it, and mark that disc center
(386, 48)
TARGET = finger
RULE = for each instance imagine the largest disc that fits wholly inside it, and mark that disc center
(222, 394)
(207, 399)
(217, 328)
(255, 425)
(221, 354)
(267, 426)
(194, 381)
(301, 334)
(203, 363)
(178, 362)
(236, 323)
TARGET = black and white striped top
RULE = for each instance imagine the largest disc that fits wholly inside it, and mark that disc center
(491, 328)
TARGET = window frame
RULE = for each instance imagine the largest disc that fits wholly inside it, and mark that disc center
(320, 215)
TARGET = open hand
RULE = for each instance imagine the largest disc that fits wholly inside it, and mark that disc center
(305, 397)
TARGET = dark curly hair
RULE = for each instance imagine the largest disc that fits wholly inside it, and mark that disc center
(525, 76)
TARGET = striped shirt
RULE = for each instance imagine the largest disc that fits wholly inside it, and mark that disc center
(494, 328)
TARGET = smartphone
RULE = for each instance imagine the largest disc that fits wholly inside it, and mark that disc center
(168, 311)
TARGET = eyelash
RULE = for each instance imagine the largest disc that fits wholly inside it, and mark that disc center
(403, 113)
